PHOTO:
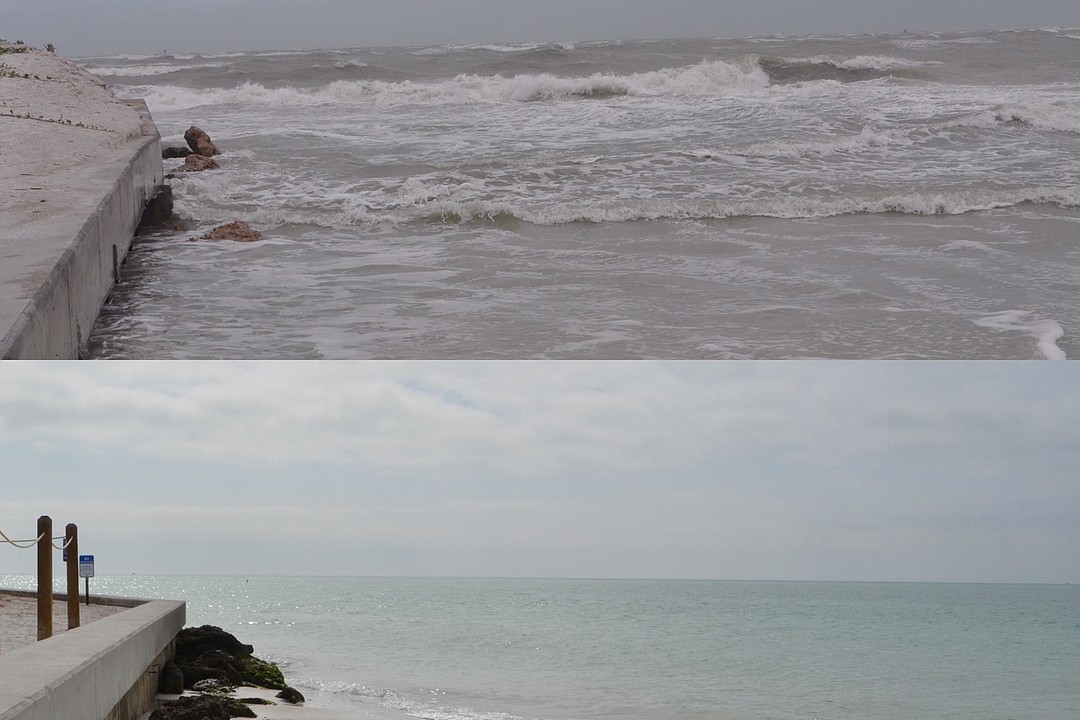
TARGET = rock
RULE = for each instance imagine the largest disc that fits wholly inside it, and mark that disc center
(200, 142)
(174, 151)
(193, 642)
(198, 163)
(261, 673)
(237, 230)
(208, 652)
(213, 686)
(158, 210)
(202, 707)
(172, 679)
(290, 695)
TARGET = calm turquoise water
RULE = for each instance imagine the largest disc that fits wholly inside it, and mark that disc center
(489, 649)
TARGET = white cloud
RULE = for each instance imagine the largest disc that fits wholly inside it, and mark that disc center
(733, 469)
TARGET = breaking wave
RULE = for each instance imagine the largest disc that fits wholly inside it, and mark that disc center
(143, 70)
(497, 48)
(445, 205)
(1055, 116)
(743, 77)
(850, 69)
(918, 203)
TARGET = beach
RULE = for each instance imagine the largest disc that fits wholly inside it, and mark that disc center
(18, 619)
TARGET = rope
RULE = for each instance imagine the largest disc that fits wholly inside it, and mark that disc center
(64, 546)
(22, 544)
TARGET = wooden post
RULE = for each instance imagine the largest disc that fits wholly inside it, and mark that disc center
(71, 542)
(44, 578)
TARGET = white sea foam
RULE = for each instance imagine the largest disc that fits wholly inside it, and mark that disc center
(868, 138)
(410, 707)
(1046, 332)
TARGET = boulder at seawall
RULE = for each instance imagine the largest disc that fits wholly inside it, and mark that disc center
(210, 653)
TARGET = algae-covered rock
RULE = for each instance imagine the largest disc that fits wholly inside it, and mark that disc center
(212, 686)
(263, 674)
(202, 707)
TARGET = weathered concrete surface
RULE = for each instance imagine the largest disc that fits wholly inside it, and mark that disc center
(77, 166)
(104, 670)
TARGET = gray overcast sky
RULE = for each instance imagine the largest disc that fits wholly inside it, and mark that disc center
(79, 27)
(887, 471)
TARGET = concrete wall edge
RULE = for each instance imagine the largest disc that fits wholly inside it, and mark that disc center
(57, 321)
(85, 673)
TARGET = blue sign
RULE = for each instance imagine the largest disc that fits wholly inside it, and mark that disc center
(86, 566)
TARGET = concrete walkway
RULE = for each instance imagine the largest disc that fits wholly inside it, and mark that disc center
(77, 166)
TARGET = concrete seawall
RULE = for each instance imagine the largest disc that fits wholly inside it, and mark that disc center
(106, 670)
(72, 192)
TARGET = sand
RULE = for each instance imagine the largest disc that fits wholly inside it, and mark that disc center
(18, 619)
(285, 711)
(52, 123)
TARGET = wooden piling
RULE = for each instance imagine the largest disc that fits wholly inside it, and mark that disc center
(71, 543)
(44, 578)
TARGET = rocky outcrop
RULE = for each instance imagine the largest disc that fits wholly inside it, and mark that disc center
(198, 163)
(199, 142)
(210, 653)
(238, 231)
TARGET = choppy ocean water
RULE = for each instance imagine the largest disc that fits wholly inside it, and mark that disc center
(476, 649)
(881, 196)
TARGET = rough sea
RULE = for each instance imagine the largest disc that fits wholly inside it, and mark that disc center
(872, 196)
(477, 649)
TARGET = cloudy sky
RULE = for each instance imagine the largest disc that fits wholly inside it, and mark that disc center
(79, 27)
(841, 471)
